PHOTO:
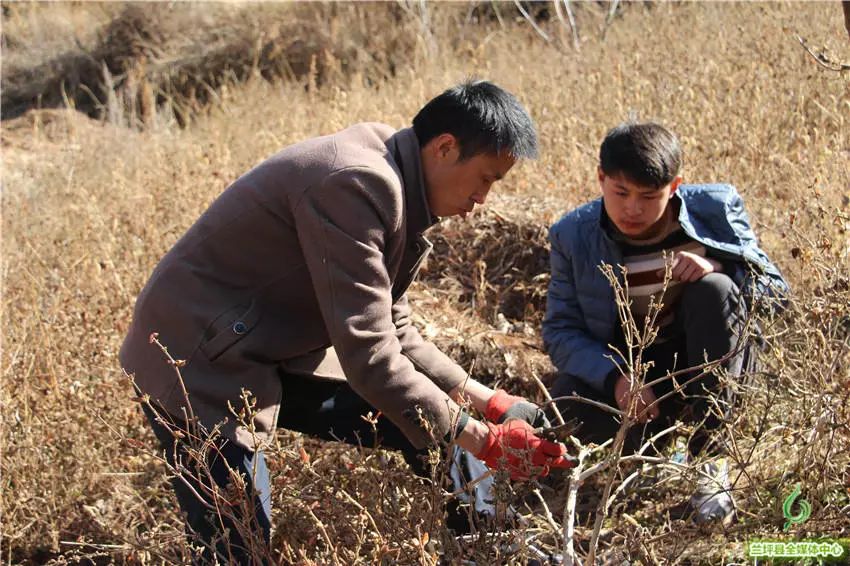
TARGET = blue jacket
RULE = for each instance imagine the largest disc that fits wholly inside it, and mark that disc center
(581, 318)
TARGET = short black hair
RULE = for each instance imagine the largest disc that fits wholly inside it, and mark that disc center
(647, 154)
(483, 117)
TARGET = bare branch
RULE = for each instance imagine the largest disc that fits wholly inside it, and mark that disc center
(846, 5)
(610, 17)
(821, 59)
(570, 23)
(598, 404)
(530, 20)
(558, 416)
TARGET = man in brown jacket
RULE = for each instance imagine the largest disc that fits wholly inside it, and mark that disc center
(292, 286)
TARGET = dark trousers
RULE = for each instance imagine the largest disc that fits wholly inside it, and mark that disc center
(216, 531)
(707, 325)
(325, 409)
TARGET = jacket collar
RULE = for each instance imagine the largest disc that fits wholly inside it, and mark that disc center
(405, 150)
(603, 221)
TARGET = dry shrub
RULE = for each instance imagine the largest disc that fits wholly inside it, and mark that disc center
(88, 210)
(501, 264)
(802, 395)
(174, 61)
(33, 31)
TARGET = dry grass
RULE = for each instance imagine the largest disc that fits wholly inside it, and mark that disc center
(88, 208)
(147, 67)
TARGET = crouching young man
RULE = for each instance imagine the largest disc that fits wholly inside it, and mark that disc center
(645, 218)
(292, 286)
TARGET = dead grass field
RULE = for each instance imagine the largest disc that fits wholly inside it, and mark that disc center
(89, 207)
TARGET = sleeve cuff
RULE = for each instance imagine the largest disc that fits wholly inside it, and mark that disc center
(610, 383)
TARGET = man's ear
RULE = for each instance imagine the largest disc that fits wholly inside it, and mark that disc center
(445, 145)
(600, 174)
(675, 184)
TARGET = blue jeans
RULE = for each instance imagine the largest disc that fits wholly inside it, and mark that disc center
(324, 409)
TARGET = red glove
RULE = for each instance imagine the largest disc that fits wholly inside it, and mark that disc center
(503, 406)
(514, 446)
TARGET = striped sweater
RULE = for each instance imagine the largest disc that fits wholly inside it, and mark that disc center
(645, 262)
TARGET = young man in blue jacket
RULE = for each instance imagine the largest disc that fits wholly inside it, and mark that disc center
(645, 219)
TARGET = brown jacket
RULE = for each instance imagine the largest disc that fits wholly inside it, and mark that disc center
(313, 248)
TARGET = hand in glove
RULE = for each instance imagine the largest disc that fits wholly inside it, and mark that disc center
(514, 446)
(503, 406)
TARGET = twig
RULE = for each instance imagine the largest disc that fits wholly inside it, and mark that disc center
(610, 17)
(572, 20)
(323, 532)
(548, 397)
(598, 404)
(546, 512)
(470, 484)
(176, 364)
(605, 463)
(495, 5)
(567, 24)
(530, 20)
(822, 59)
(623, 485)
(365, 511)
(97, 546)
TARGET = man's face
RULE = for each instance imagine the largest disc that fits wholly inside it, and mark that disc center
(455, 187)
(635, 210)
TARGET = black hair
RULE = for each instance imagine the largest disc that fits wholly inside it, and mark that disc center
(483, 117)
(647, 154)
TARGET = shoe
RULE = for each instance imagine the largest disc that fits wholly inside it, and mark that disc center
(680, 454)
(712, 500)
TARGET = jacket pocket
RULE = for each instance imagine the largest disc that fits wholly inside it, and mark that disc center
(229, 328)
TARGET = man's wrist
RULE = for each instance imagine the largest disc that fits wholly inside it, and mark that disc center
(716, 266)
(610, 384)
(477, 393)
(473, 438)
